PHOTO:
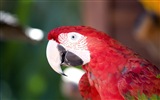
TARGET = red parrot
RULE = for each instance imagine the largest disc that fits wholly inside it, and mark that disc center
(112, 71)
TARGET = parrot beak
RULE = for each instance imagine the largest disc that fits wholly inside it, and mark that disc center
(53, 56)
(57, 56)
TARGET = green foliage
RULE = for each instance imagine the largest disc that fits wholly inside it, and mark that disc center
(36, 84)
(23, 10)
(25, 72)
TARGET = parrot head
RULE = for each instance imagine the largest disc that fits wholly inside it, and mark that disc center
(72, 46)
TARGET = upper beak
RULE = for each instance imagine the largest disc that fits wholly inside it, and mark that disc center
(57, 55)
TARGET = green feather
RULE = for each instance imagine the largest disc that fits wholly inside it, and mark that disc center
(154, 97)
(142, 96)
(145, 97)
(158, 76)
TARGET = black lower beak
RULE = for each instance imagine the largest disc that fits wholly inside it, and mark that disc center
(68, 58)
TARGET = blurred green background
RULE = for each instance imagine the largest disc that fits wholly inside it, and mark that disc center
(25, 72)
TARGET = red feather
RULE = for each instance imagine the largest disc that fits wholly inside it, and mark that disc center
(87, 91)
(114, 72)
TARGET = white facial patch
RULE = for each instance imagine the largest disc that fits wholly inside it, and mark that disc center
(53, 56)
(75, 43)
(73, 40)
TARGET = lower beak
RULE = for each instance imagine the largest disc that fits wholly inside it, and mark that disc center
(57, 56)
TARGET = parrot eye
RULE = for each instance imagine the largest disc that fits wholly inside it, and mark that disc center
(74, 37)
(73, 40)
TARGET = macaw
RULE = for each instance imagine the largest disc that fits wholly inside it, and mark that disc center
(112, 71)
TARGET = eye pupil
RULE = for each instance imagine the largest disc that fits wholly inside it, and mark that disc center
(73, 36)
